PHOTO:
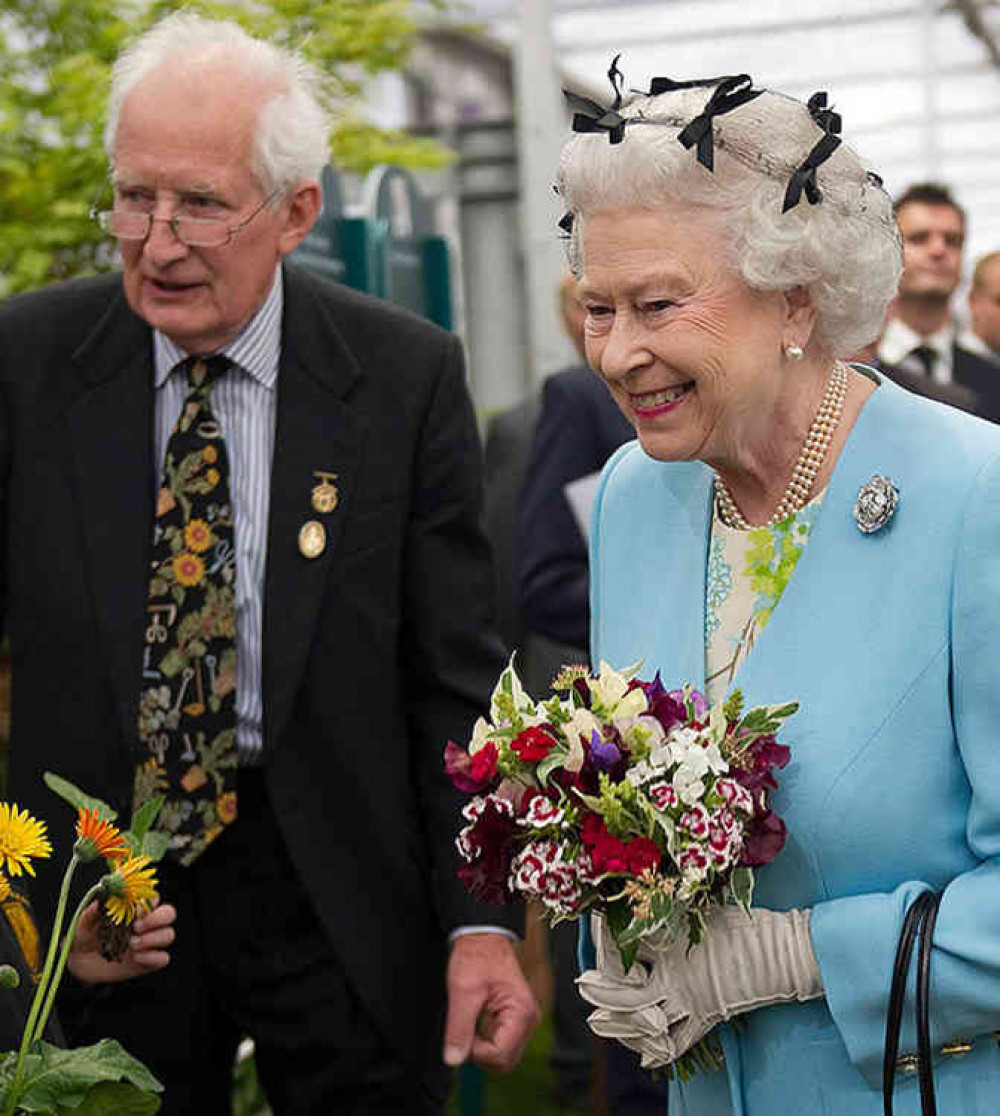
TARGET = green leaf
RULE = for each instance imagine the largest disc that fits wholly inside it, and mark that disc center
(155, 844)
(114, 1098)
(58, 1080)
(619, 916)
(76, 797)
(556, 758)
(144, 817)
(741, 885)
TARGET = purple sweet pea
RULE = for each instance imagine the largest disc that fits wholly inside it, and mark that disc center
(668, 709)
(603, 753)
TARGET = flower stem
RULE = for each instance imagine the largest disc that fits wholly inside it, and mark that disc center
(36, 1004)
(50, 995)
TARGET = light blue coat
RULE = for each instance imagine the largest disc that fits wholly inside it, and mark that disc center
(891, 643)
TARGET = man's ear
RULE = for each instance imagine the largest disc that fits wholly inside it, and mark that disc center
(800, 316)
(304, 202)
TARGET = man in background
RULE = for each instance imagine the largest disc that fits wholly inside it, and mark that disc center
(920, 338)
(983, 335)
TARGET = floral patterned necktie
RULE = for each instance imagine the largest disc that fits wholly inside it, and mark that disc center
(187, 706)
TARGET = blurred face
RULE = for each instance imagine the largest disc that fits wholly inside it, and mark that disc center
(984, 307)
(933, 236)
(692, 355)
(184, 147)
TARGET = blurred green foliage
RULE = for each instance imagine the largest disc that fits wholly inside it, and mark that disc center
(55, 63)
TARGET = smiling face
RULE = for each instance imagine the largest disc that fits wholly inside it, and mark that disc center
(183, 146)
(692, 355)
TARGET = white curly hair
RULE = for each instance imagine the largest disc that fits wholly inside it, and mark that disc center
(293, 129)
(845, 250)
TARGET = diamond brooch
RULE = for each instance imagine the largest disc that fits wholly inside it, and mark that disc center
(876, 504)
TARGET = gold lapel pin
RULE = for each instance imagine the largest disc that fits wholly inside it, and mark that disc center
(312, 539)
(324, 494)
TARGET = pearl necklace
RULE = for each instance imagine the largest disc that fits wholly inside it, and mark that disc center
(810, 459)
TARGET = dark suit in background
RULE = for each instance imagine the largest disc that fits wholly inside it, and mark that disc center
(374, 654)
(579, 427)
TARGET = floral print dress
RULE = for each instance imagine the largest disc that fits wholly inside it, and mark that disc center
(747, 573)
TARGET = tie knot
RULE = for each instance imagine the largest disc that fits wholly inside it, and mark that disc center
(203, 373)
(926, 356)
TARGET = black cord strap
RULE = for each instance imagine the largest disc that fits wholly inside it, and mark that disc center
(918, 923)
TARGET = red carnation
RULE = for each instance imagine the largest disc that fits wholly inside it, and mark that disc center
(642, 854)
(591, 830)
(532, 745)
(471, 774)
(610, 855)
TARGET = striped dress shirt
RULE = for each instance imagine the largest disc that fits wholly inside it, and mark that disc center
(244, 402)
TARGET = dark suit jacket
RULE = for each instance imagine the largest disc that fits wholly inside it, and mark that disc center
(374, 654)
(974, 387)
(509, 438)
(980, 376)
(579, 428)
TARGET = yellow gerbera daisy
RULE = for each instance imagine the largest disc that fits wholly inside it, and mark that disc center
(198, 536)
(98, 837)
(131, 890)
(210, 454)
(21, 838)
(188, 568)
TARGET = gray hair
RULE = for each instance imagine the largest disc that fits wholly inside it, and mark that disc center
(845, 250)
(292, 137)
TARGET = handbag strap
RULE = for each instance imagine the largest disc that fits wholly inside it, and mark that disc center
(928, 1103)
(897, 993)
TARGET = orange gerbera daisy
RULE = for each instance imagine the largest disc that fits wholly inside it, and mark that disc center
(189, 569)
(98, 837)
(21, 838)
(131, 890)
(198, 536)
(210, 454)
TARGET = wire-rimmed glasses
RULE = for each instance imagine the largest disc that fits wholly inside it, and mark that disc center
(193, 232)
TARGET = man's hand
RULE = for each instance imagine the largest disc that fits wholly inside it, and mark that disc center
(486, 986)
(147, 951)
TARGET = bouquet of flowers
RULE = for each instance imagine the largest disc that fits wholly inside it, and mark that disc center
(618, 796)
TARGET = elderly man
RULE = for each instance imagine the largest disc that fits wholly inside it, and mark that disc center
(920, 337)
(243, 570)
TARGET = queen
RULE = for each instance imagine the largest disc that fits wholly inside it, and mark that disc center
(794, 524)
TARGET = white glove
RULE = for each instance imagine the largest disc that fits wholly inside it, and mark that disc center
(671, 998)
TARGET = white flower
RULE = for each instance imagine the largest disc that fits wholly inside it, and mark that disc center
(688, 784)
(582, 723)
(610, 690)
(641, 731)
(480, 735)
(542, 812)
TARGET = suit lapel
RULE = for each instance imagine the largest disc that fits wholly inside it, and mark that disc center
(110, 430)
(316, 431)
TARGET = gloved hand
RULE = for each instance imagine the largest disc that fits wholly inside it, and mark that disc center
(671, 998)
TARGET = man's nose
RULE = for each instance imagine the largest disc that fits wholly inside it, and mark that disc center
(162, 245)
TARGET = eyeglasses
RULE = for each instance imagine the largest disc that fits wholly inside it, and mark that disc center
(193, 232)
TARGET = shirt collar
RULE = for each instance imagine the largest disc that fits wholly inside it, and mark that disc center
(899, 340)
(255, 348)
